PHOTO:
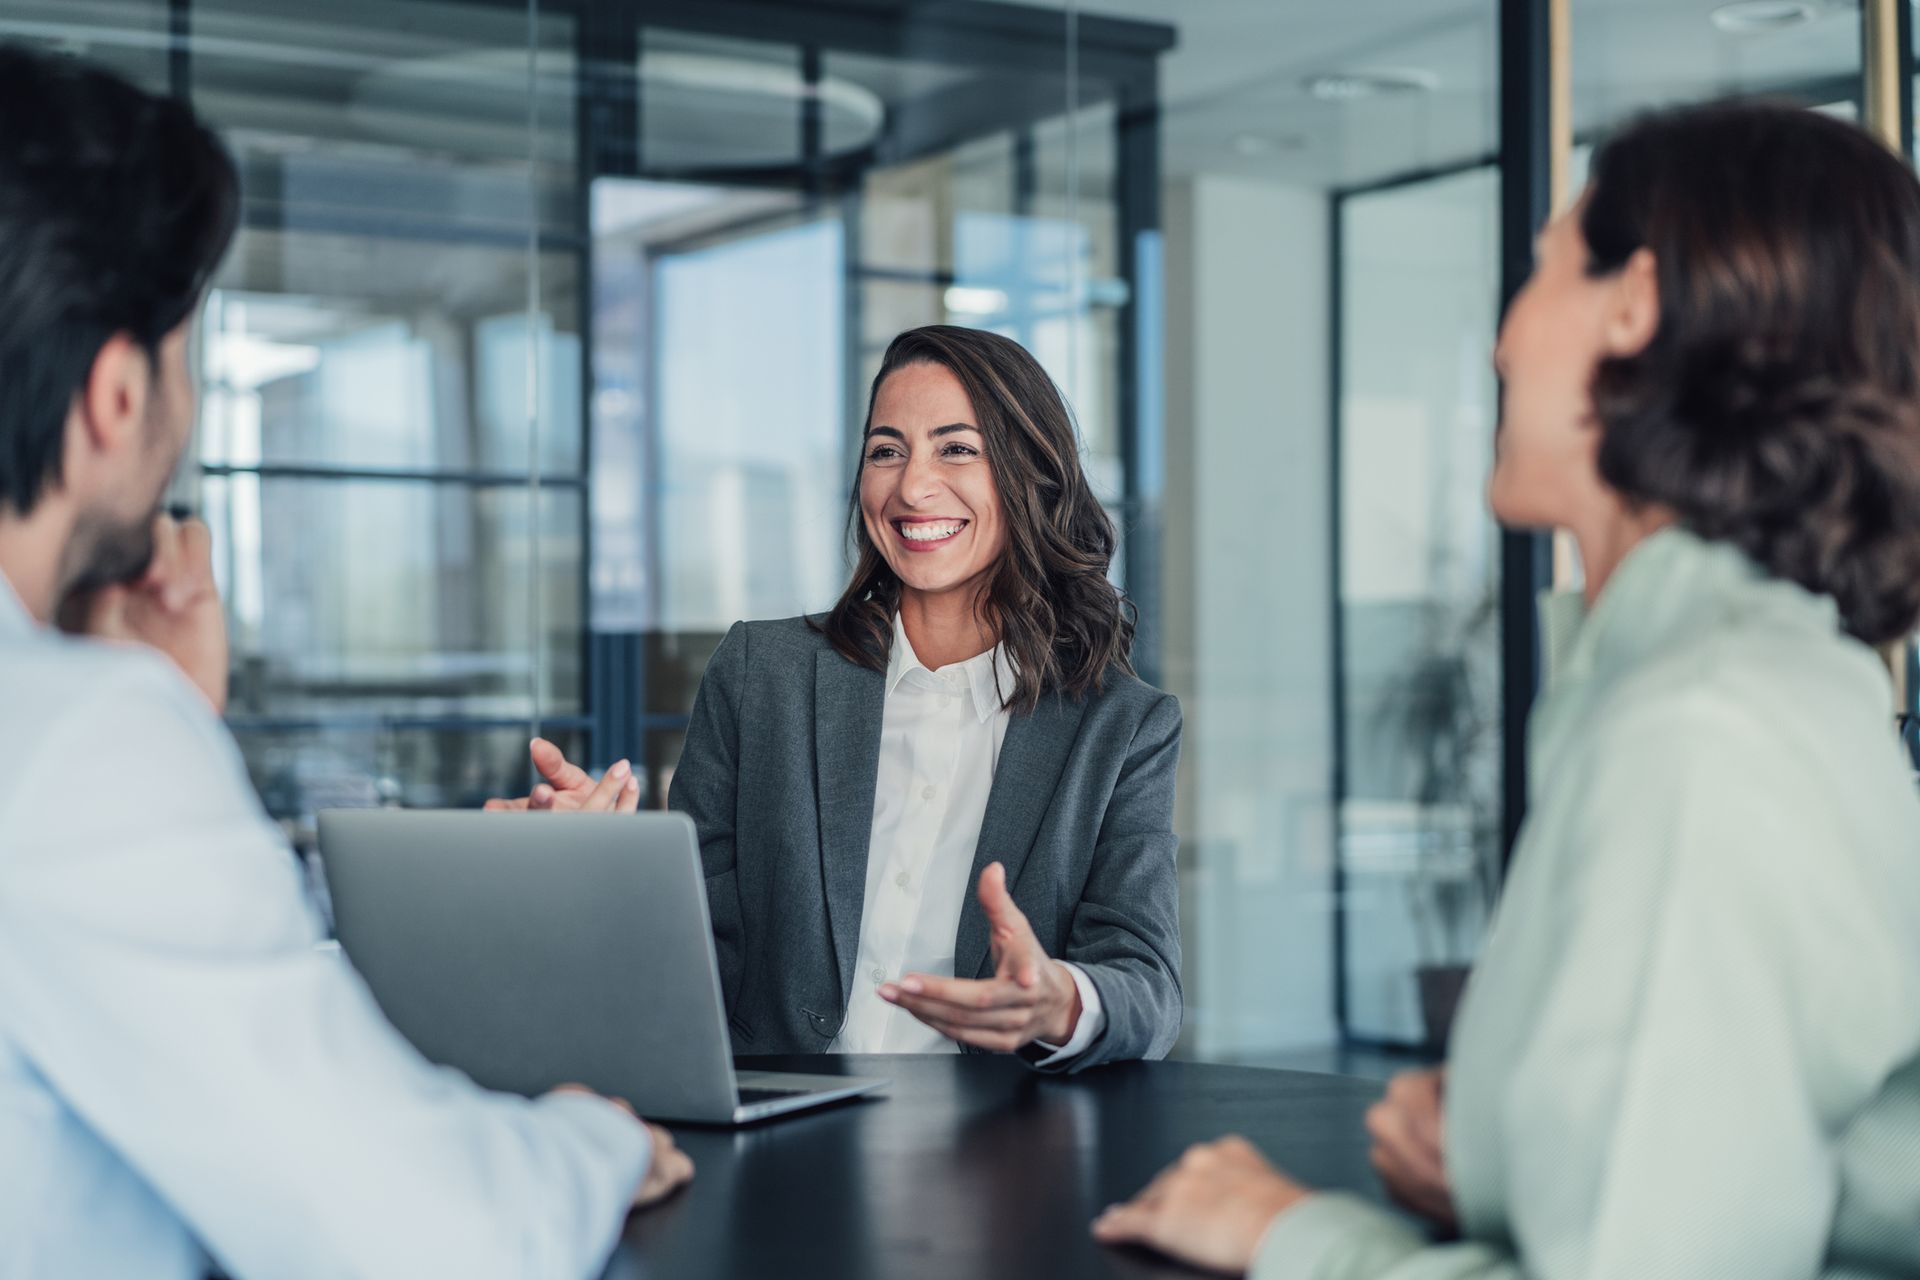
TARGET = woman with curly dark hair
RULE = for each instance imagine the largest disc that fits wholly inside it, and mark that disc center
(1692, 1044)
(941, 816)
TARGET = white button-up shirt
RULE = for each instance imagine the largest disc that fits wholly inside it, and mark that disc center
(183, 1072)
(940, 739)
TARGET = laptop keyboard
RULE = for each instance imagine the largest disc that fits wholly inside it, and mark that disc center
(754, 1097)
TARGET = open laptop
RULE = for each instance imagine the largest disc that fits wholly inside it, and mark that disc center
(532, 950)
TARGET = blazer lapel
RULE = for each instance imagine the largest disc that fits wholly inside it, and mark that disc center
(1031, 761)
(849, 702)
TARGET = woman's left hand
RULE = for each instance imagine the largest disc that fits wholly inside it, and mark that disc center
(1030, 996)
(1211, 1209)
(570, 789)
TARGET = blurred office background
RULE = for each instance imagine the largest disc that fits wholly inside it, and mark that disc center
(542, 354)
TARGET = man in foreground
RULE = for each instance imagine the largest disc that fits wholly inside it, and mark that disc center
(184, 1078)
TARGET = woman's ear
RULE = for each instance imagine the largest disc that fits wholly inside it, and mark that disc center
(1633, 314)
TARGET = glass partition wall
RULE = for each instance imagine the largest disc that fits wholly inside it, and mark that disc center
(542, 355)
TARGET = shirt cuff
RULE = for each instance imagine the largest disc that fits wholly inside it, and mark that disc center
(1331, 1235)
(1093, 1020)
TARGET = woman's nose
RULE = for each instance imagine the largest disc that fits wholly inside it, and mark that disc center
(919, 481)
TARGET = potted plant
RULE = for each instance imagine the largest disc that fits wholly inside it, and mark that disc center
(1441, 713)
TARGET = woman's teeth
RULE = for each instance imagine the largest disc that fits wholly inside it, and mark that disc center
(931, 532)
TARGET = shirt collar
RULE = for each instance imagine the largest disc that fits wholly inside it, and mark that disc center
(989, 676)
(1669, 586)
(14, 618)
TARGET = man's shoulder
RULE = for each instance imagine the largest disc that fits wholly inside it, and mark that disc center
(82, 700)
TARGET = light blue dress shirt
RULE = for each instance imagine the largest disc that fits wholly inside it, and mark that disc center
(1691, 1048)
(183, 1075)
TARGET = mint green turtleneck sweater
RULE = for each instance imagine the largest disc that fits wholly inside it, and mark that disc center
(1691, 1047)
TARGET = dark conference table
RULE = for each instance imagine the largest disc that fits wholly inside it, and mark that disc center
(975, 1166)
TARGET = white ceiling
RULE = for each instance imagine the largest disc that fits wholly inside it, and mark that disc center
(1235, 99)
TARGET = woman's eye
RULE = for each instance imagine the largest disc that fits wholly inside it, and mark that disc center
(883, 453)
(960, 451)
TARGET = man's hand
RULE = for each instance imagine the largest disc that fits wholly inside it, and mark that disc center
(173, 608)
(670, 1168)
(1030, 997)
(1211, 1209)
(571, 789)
(1409, 1150)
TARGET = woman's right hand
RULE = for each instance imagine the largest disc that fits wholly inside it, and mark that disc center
(1409, 1149)
(569, 788)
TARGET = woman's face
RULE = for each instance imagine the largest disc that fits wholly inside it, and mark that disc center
(1561, 325)
(927, 494)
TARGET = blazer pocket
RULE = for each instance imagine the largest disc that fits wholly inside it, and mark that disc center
(741, 1030)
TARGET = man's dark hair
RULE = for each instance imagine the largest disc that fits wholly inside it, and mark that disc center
(1778, 406)
(115, 208)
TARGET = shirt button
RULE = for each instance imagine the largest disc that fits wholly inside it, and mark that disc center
(879, 976)
(928, 793)
(903, 879)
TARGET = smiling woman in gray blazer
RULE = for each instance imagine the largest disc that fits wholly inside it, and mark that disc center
(940, 816)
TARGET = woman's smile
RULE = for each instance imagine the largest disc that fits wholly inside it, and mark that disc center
(928, 533)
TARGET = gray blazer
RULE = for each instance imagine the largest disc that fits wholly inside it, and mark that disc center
(778, 773)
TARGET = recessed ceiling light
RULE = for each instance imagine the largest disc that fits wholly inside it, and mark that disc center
(1373, 82)
(1755, 17)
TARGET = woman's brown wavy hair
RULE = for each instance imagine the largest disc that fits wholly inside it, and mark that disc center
(1049, 600)
(1778, 405)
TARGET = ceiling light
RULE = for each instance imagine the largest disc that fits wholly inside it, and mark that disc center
(1756, 17)
(1375, 82)
(969, 300)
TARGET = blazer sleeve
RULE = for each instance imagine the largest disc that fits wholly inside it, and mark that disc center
(1126, 929)
(159, 969)
(706, 787)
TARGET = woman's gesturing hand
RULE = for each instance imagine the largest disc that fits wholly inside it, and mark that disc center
(569, 788)
(1030, 996)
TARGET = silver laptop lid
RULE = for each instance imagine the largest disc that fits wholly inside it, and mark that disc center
(531, 950)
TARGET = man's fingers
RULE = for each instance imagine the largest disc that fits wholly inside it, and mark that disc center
(542, 797)
(629, 801)
(556, 768)
(182, 566)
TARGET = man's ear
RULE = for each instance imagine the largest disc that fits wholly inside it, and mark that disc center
(112, 403)
(1633, 314)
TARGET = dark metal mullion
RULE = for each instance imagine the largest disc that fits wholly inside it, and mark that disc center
(812, 126)
(395, 475)
(180, 50)
(606, 142)
(375, 722)
(1142, 441)
(853, 337)
(1903, 44)
(1903, 38)
(1336, 383)
(1526, 558)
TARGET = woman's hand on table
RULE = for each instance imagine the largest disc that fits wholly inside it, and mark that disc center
(1212, 1208)
(1409, 1151)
